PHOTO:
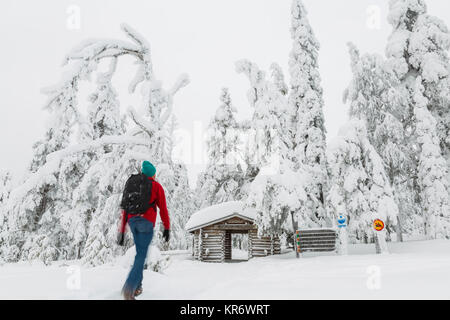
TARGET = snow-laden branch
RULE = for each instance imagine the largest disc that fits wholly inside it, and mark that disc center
(69, 81)
(46, 173)
(182, 82)
(107, 76)
(138, 78)
(94, 50)
(146, 126)
(135, 36)
(256, 78)
(96, 144)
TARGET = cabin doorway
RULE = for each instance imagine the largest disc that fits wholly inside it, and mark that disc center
(236, 246)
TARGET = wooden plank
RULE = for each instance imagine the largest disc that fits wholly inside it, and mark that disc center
(318, 241)
(312, 235)
(317, 238)
(317, 231)
(213, 241)
(213, 256)
(317, 250)
(235, 227)
(209, 240)
(318, 235)
(212, 236)
(317, 247)
(312, 245)
(211, 250)
(213, 247)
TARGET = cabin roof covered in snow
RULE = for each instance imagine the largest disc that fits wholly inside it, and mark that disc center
(217, 213)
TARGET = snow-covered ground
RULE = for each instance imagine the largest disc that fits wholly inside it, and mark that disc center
(417, 269)
(238, 254)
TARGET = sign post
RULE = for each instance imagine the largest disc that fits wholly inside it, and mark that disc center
(342, 235)
(297, 244)
(380, 241)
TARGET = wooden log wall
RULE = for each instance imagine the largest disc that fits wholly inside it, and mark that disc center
(196, 247)
(228, 245)
(213, 245)
(263, 246)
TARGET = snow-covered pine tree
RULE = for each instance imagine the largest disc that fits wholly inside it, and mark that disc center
(306, 108)
(104, 117)
(180, 203)
(90, 194)
(5, 186)
(223, 177)
(30, 211)
(36, 229)
(270, 125)
(278, 78)
(278, 199)
(5, 189)
(261, 127)
(418, 46)
(179, 195)
(277, 190)
(360, 188)
(376, 97)
(63, 107)
(432, 170)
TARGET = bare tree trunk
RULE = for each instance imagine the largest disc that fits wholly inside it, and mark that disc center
(294, 228)
(399, 229)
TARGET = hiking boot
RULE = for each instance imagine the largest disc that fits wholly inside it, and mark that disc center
(127, 295)
(138, 292)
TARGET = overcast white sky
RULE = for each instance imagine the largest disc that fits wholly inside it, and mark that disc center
(200, 37)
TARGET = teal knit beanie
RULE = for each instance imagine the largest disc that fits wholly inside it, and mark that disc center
(148, 169)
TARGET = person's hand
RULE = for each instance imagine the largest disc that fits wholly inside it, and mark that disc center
(166, 235)
(120, 238)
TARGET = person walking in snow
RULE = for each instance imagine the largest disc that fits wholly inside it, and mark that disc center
(141, 196)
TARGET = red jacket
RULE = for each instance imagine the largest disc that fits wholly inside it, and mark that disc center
(160, 199)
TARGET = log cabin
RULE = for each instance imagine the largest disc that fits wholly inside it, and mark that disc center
(213, 227)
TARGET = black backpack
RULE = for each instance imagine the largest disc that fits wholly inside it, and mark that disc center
(136, 195)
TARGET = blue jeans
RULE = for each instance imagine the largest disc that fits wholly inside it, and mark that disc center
(142, 230)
